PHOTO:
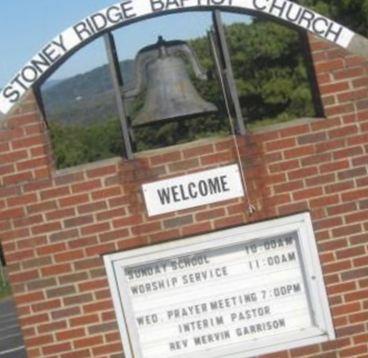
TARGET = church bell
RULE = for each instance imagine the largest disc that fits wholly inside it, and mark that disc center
(161, 73)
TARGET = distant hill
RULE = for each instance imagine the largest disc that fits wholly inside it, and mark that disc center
(84, 98)
(51, 83)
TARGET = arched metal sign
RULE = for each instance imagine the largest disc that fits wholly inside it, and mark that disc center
(120, 14)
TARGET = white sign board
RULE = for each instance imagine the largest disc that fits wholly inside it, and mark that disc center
(234, 293)
(189, 191)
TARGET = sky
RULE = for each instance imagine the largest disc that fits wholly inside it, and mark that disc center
(26, 26)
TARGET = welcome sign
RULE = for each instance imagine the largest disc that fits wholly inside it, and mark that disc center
(234, 293)
(189, 191)
(55, 52)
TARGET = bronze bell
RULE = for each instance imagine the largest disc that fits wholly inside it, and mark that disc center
(161, 72)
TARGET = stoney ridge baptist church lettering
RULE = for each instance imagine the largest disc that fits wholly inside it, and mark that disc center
(57, 51)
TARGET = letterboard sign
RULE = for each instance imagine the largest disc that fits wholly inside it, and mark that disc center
(189, 191)
(233, 293)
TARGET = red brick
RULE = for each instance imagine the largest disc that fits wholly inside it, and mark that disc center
(348, 73)
(96, 307)
(108, 348)
(78, 299)
(293, 208)
(39, 341)
(70, 255)
(341, 288)
(299, 152)
(361, 261)
(146, 228)
(41, 207)
(198, 151)
(347, 230)
(288, 187)
(111, 214)
(340, 209)
(280, 144)
(7, 169)
(113, 235)
(70, 334)
(339, 187)
(205, 160)
(83, 242)
(349, 330)
(312, 138)
(354, 352)
(64, 235)
(328, 66)
(27, 142)
(358, 139)
(11, 213)
(337, 267)
(78, 221)
(22, 200)
(345, 308)
(60, 214)
(72, 278)
(32, 164)
(56, 348)
(229, 221)
(65, 313)
(45, 228)
(56, 270)
(165, 158)
(24, 276)
(92, 207)
(33, 320)
(350, 252)
(85, 353)
(302, 173)
(360, 216)
(305, 351)
(354, 274)
(84, 320)
(65, 179)
(51, 249)
(106, 193)
(307, 193)
(128, 221)
(362, 338)
(93, 285)
(94, 229)
(100, 249)
(74, 200)
(55, 193)
(329, 245)
(29, 297)
(88, 263)
(356, 295)
(102, 171)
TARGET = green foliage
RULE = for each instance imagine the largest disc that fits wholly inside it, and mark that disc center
(5, 290)
(76, 144)
(270, 70)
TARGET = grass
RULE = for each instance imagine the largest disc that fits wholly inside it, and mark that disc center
(5, 290)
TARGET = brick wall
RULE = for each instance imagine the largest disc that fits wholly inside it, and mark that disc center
(55, 225)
